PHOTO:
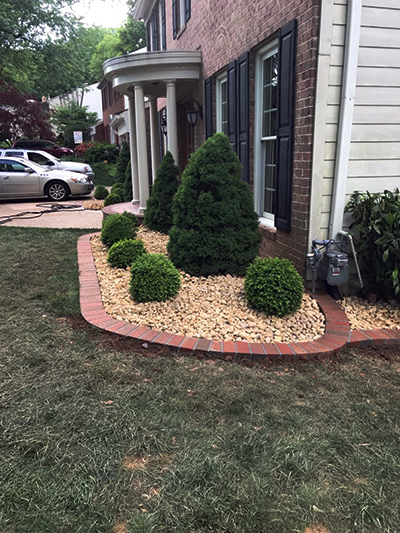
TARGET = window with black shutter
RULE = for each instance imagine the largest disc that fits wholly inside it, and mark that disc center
(188, 10)
(163, 28)
(231, 91)
(154, 30)
(208, 106)
(243, 113)
(175, 25)
(284, 141)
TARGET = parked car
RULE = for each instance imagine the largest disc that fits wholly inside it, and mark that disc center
(48, 160)
(20, 178)
(45, 146)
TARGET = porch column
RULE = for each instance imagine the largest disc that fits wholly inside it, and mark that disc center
(172, 120)
(155, 136)
(141, 139)
(133, 150)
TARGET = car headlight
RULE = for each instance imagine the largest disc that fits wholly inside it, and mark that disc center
(88, 169)
(79, 180)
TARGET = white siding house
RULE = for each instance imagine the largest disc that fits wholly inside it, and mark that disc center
(370, 150)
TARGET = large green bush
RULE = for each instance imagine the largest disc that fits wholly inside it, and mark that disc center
(112, 198)
(154, 278)
(124, 253)
(117, 228)
(215, 226)
(118, 188)
(377, 234)
(273, 286)
(100, 192)
(158, 214)
(101, 152)
(128, 192)
(131, 217)
(124, 157)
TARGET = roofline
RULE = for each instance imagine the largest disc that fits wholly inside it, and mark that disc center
(143, 9)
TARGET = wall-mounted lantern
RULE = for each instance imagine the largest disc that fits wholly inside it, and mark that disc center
(195, 110)
(163, 123)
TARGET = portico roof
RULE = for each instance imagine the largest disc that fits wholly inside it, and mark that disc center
(152, 69)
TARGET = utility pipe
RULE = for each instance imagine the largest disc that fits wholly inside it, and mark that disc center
(350, 62)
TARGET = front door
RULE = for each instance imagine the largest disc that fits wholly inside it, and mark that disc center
(16, 180)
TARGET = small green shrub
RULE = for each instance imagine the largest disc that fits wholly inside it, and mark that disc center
(132, 217)
(112, 198)
(154, 278)
(118, 188)
(101, 152)
(273, 286)
(117, 228)
(124, 253)
(158, 214)
(377, 234)
(100, 192)
(128, 192)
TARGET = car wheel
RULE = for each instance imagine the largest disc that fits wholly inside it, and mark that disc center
(57, 191)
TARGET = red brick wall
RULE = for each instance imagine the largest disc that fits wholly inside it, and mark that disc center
(223, 30)
(111, 106)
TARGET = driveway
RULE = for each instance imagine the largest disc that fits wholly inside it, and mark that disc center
(64, 218)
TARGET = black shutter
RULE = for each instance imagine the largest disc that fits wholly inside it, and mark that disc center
(163, 25)
(284, 141)
(188, 10)
(208, 106)
(174, 19)
(148, 41)
(154, 31)
(231, 81)
(161, 135)
(243, 108)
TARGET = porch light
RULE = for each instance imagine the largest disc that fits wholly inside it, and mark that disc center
(163, 123)
(195, 110)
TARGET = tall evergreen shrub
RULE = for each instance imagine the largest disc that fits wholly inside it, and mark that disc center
(158, 214)
(215, 226)
(128, 193)
(124, 157)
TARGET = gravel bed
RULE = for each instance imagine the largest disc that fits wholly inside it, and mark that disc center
(364, 315)
(93, 205)
(214, 308)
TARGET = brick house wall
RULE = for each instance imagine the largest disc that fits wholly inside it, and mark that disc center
(112, 103)
(225, 29)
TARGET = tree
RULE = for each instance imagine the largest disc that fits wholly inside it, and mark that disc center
(73, 118)
(129, 38)
(124, 157)
(21, 116)
(215, 226)
(158, 214)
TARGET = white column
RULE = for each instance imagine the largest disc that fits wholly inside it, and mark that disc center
(172, 120)
(133, 150)
(141, 138)
(155, 136)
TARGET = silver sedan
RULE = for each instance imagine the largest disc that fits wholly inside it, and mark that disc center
(20, 178)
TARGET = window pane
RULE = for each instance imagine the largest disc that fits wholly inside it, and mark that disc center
(269, 175)
(270, 94)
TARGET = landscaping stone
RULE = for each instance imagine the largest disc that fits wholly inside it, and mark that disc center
(363, 314)
(214, 308)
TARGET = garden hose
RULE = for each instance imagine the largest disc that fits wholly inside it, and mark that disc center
(51, 208)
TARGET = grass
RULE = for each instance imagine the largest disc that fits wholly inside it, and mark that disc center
(97, 438)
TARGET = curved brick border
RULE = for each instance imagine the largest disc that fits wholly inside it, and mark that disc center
(337, 331)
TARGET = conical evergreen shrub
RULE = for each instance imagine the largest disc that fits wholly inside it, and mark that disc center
(214, 226)
(124, 157)
(158, 214)
(128, 193)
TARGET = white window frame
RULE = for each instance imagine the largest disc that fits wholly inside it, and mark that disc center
(220, 79)
(182, 14)
(267, 219)
(160, 26)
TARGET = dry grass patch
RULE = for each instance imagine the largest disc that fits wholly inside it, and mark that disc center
(316, 529)
(121, 527)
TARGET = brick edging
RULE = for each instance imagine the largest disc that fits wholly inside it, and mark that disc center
(337, 329)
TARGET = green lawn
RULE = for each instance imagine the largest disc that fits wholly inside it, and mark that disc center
(102, 177)
(96, 438)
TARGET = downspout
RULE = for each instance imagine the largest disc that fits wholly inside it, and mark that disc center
(350, 62)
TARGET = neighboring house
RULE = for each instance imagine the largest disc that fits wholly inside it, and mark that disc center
(89, 96)
(113, 105)
(308, 92)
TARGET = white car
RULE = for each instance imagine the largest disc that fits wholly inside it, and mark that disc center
(48, 160)
(20, 178)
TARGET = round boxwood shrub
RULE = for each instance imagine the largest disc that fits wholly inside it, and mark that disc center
(158, 214)
(118, 188)
(273, 286)
(112, 198)
(124, 253)
(132, 217)
(154, 278)
(214, 223)
(100, 192)
(117, 228)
